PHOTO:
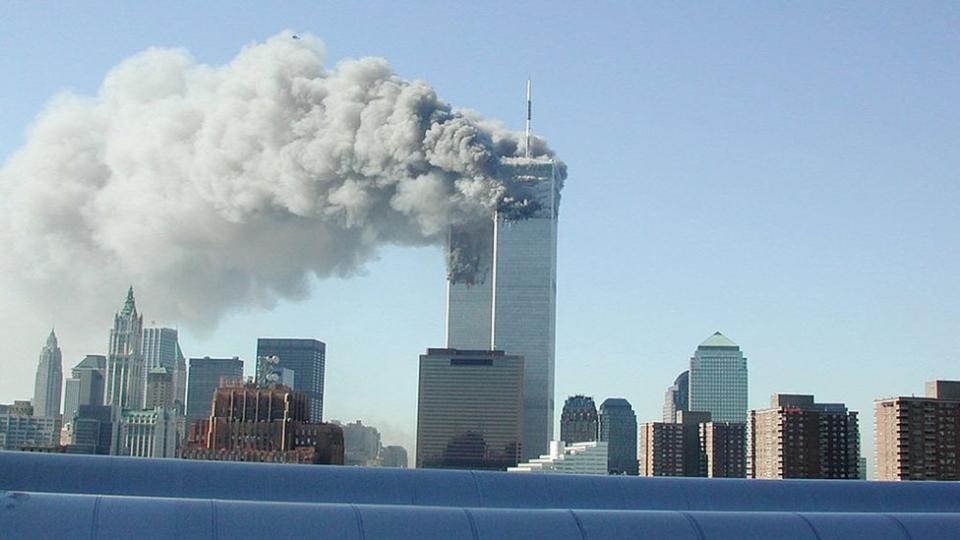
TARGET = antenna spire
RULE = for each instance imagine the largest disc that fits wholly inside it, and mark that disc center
(526, 145)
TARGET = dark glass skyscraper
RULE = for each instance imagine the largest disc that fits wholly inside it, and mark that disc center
(204, 379)
(618, 428)
(85, 386)
(469, 413)
(578, 421)
(307, 358)
(677, 398)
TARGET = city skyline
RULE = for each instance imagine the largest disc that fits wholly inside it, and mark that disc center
(824, 182)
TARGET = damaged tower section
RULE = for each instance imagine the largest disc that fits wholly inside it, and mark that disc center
(501, 286)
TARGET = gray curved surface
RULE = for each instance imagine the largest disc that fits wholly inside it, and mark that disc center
(103, 475)
(36, 515)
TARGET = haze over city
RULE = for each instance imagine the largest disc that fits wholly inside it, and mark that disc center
(786, 175)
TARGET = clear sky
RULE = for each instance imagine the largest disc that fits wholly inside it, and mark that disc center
(786, 174)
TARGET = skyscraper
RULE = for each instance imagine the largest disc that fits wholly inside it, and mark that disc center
(578, 420)
(85, 385)
(677, 397)
(161, 349)
(501, 288)
(918, 438)
(469, 409)
(718, 380)
(618, 428)
(205, 375)
(125, 372)
(307, 358)
(49, 381)
(798, 438)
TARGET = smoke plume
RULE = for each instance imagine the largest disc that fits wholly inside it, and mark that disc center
(211, 187)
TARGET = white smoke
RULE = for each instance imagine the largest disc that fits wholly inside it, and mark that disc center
(211, 187)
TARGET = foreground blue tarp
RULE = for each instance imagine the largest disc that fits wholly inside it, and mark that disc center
(59, 496)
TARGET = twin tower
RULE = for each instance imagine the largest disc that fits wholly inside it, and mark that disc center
(502, 288)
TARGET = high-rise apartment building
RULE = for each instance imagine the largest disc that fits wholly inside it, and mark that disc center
(85, 385)
(501, 287)
(125, 371)
(49, 380)
(661, 449)
(307, 358)
(149, 433)
(161, 349)
(677, 397)
(205, 376)
(693, 446)
(798, 438)
(263, 424)
(578, 420)
(917, 438)
(469, 413)
(718, 380)
(724, 449)
(618, 428)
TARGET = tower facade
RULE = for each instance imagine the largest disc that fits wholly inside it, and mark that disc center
(85, 386)
(125, 371)
(718, 380)
(49, 382)
(618, 428)
(468, 409)
(677, 398)
(502, 287)
(161, 349)
(578, 420)
(205, 376)
(308, 360)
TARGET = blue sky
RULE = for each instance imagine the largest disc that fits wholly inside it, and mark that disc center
(786, 174)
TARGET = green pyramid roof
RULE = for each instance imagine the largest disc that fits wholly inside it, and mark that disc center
(718, 340)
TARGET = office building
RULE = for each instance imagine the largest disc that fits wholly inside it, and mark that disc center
(85, 385)
(501, 287)
(394, 456)
(718, 380)
(799, 438)
(125, 370)
(361, 444)
(18, 430)
(263, 424)
(589, 457)
(205, 377)
(149, 433)
(96, 430)
(578, 420)
(469, 413)
(618, 428)
(307, 359)
(270, 372)
(160, 389)
(724, 449)
(677, 397)
(917, 438)
(49, 380)
(161, 349)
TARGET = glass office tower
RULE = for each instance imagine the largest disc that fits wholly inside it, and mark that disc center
(307, 358)
(718, 380)
(502, 287)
